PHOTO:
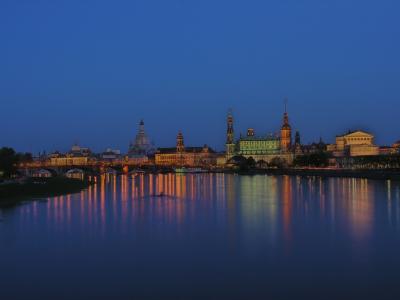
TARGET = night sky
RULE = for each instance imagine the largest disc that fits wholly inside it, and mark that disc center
(88, 71)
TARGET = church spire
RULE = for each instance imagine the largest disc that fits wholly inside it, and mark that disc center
(286, 131)
(285, 114)
(230, 131)
(180, 146)
(230, 136)
(141, 127)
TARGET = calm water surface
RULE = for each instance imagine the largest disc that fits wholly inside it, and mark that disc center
(211, 236)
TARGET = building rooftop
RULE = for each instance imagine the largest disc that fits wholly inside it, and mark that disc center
(259, 138)
(187, 150)
(353, 131)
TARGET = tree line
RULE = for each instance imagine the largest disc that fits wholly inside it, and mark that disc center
(317, 159)
(9, 161)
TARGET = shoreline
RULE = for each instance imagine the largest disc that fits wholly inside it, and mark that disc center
(376, 174)
(34, 188)
(393, 174)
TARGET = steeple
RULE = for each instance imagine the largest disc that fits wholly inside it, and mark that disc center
(229, 131)
(286, 131)
(285, 115)
(230, 136)
(180, 146)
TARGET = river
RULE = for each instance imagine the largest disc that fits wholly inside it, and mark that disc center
(206, 236)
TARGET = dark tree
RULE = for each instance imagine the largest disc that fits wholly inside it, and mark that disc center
(25, 157)
(251, 163)
(262, 164)
(8, 161)
(278, 162)
(242, 163)
(318, 159)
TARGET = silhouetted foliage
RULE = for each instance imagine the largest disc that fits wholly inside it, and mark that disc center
(251, 163)
(243, 163)
(318, 159)
(278, 162)
(8, 161)
(262, 164)
(25, 157)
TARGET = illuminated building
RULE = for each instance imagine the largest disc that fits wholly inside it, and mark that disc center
(390, 150)
(286, 133)
(65, 160)
(387, 150)
(111, 155)
(185, 156)
(77, 156)
(141, 146)
(354, 143)
(251, 144)
(78, 151)
(260, 147)
(230, 137)
(138, 160)
(396, 147)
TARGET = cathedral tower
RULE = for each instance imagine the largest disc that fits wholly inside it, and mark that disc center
(286, 132)
(180, 146)
(142, 144)
(141, 128)
(230, 137)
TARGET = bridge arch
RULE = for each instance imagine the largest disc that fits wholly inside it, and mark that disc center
(75, 173)
(43, 173)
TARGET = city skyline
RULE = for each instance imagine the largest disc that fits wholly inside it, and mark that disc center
(240, 129)
(179, 66)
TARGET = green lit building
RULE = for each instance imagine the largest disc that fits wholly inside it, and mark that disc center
(258, 145)
(261, 147)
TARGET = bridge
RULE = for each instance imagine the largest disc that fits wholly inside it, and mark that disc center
(47, 169)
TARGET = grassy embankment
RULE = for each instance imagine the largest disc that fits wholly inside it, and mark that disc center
(12, 193)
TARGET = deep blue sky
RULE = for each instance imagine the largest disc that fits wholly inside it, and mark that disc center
(88, 71)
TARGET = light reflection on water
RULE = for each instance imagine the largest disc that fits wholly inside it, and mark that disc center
(259, 202)
(256, 222)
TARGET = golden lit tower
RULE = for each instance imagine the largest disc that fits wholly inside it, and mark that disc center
(230, 137)
(180, 146)
(286, 131)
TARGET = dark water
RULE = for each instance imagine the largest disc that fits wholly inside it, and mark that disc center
(210, 237)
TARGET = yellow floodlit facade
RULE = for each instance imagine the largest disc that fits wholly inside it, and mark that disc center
(185, 156)
(354, 143)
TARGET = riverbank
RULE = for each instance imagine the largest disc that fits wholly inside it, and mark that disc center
(388, 174)
(377, 174)
(12, 193)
